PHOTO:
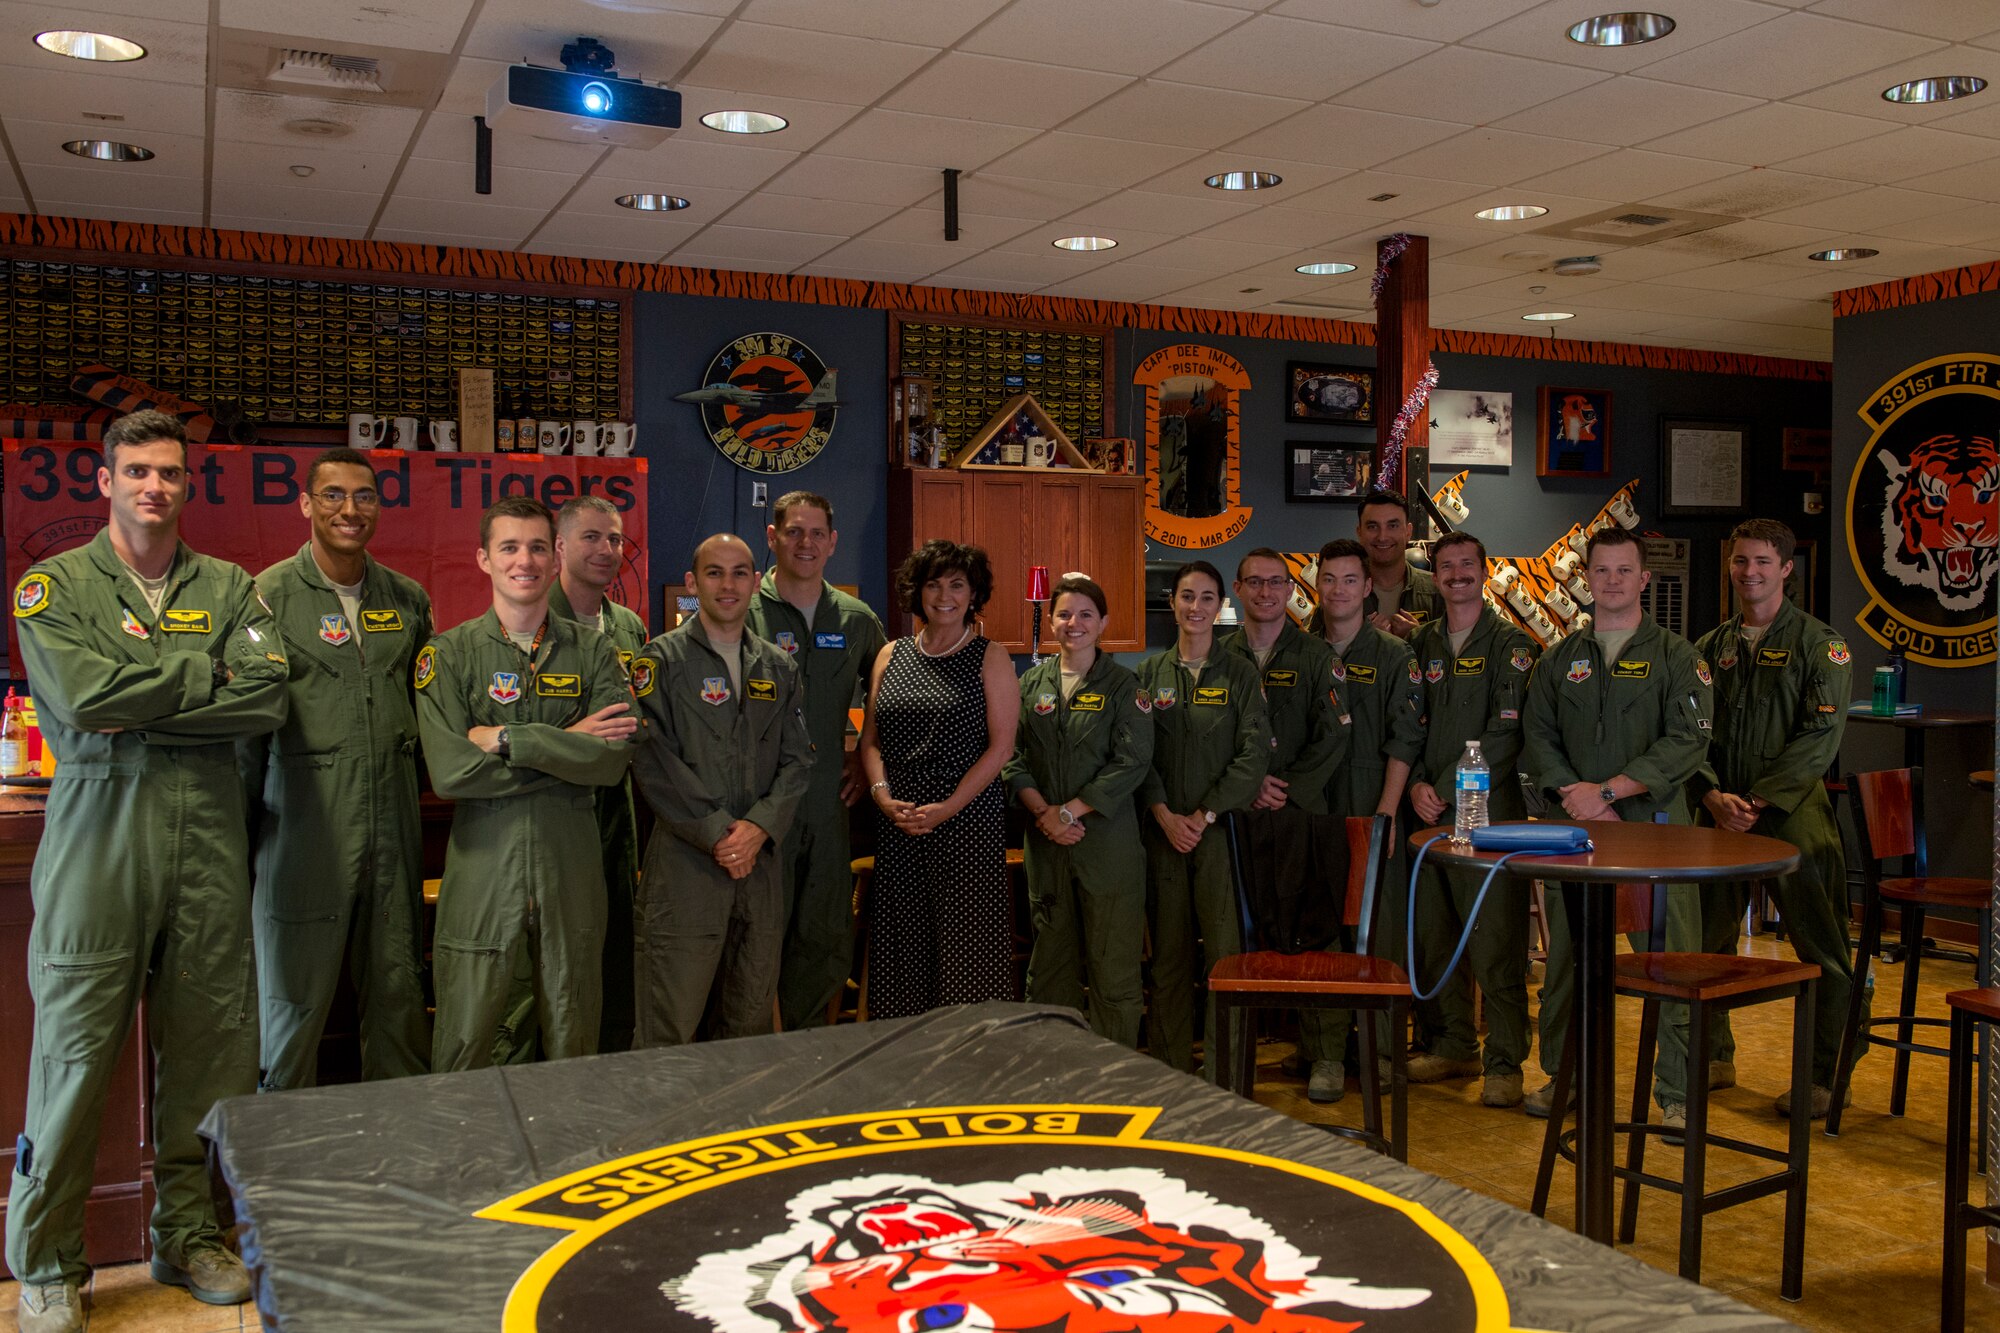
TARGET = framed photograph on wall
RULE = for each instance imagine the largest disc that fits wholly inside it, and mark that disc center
(1573, 427)
(1703, 464)
(1798, 588)
(1472, 428)
(1315, 392)
(1320, 473)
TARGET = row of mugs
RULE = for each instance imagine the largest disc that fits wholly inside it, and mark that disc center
(585, 437)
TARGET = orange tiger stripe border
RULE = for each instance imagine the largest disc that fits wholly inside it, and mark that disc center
(1925, 287)
(34, 236)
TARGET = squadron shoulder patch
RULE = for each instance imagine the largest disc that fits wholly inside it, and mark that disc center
(333, 629)
(1166, 696)
(788, 641)
(1521, 660)
(31, 595)
(715, 690)
(505, 687)
(1836, 653)
(563, 685)
(1579, 671)
(426, 668)
(1434, 672)
(132, 625)
(186, 622)
(381, 622)
(1045, 703)
(1143, 701)
(642, 676)
(1701, 672)
(1416, 677)
(765, 690)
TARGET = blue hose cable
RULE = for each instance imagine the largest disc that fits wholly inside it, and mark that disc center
(1471, 920)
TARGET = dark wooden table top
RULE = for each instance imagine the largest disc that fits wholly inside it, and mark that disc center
(1628, 853)
(1930, 717)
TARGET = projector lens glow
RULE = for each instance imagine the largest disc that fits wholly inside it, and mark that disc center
(596, 98)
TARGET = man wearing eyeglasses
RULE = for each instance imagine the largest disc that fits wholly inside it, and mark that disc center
(339, 843)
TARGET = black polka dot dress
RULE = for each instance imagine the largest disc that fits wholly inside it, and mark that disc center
(937, 916)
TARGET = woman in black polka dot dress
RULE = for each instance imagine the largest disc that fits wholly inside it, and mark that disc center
(942, 706)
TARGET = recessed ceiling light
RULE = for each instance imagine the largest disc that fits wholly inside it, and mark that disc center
(1627, 29)
(1326, 269)
(745, 122)
(1947, 88)
(1549, 316)
(1844, 252)
(1243, 180)
(105, 150)
(652, 203)
(1510, 213)
(1083, 243)
(88, 45)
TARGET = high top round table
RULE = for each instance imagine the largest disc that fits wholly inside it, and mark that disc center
(1625, 854)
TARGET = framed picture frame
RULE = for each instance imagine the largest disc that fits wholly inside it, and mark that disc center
(1573, 432)
(1798, 588)
(1315, 392)
(1317, 472)
(1702, 461)
(1472, 428)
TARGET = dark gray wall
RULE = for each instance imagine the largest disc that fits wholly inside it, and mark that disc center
(1868, 350)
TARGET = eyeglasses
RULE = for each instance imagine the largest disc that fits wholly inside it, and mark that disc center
(1268, 585)
(335, 499)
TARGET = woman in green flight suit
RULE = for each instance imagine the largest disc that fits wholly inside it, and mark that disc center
(1211, 744)
(1085, 744)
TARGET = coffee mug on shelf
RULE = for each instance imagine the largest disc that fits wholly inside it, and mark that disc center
(503, 436)
(1622, 510)
(403, 433)
(1453, 507)
(365, 430)
(444, 436)
(554, 437)
(1559, 601)
(620, 439)
(526, 434)
(583, 437)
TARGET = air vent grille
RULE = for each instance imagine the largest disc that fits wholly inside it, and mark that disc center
(323, 69)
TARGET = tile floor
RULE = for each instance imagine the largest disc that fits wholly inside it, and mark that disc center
(1872, 1238)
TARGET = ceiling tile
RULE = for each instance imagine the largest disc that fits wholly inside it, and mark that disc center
(1770, 133)
(1026, 197)
(344, 231)
(404, 25)
(1013, 92)
(683, 164)
(1041, 241)
(1272, 225)
(1915, 150)
(56, 188)
(598, 197)
(1952, 20)
(1213, 256)
(453, 138)
(693, 256)
(810, 121)
(1861, 95)
(300, 204)
(651, 40)
(242, 117)
(1181, 114)
(1629, 175)
(176, 52)
(754, 58)
(1342, 136)
(1156, 212)
(1476, 87)
(1123, 36)
(250, 167)
(569, 232)
(174, 11)
(1356, 195)
(823, 175)
(932, 23)
(497, 222)
(1625, 111)
(787, 247)
(966, 283)
(1790, 54)
(1971, 225)
(1292, 58)
(1749, 194)
(1295, 179)
(422, 179)
(120, 212)
(1973, 182)
(1562, 208)
(66, 94)
(909, 262)
(586, 248)
(935, 141)
(1542, 33)
(38, 141)
(1725, 277)
(1030, 270)
(1125, 282)
(925, 226)
(1868, 210)
(1087, 160)
(1496, 157)
(1438, 23)
(780, 211)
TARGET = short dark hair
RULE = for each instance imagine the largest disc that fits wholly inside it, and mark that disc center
(1613, 536)
(933, 560)
(337, 457)
(1344, 548)
(1457, 539)
(1083, 586)
(1765, 530)
(514, 506)
(807, 498)
(1260, 553)
(148, 425)
(577, 506)
(1198, 567)
(1379, 496)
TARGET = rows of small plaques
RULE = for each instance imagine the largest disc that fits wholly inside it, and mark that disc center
(976, 370)
(300, 350)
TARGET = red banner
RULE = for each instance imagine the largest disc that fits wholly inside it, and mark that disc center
(243, 506)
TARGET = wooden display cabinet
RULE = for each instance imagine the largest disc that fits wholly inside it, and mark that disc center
(1067, 520)
(910, 412)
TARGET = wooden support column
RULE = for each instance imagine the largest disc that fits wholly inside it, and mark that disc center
(1402, 353)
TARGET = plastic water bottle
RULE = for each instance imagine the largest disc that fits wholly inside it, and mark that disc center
(1899, 690)
(1474, 785)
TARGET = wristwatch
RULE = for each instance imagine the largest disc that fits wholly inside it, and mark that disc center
(218, 671)
(1208, 816)
(1063, 814)
(501, 746)
(1610, 796)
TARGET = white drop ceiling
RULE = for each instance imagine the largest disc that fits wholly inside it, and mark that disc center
(1101, 116)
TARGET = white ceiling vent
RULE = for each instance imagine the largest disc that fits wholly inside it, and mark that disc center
(1334, 307)
(323, 69)
(1634, 225)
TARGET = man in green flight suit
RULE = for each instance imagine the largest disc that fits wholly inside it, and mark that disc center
(832, 638)
(149, 664)
(725, 761)
(1375, 676)
(339, 839)
(1475, 665)
(524, 715)
(1401, 596)
(1781, 684)
(1617, 722)
(590, 554)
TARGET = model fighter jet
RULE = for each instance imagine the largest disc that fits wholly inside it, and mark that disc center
(767, 393)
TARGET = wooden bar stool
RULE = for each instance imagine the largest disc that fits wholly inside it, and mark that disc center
(1968, 1009)
(1706, 984)
(1891, 825)
(1325, 979)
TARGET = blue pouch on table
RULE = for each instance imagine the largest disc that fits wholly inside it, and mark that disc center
(1510, 840)
(1540, 839)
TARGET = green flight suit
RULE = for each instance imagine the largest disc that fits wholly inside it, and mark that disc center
(1310, 735)
(713, 754)
(141, 884)
(512, 878)
(1780, 711)
(618, 824)
(1211, 745)
(1477, 694)
(1646, 716)
(1421, 599)
(339, 849)
(1377, 681)
(1088, 900)
(833, 654)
